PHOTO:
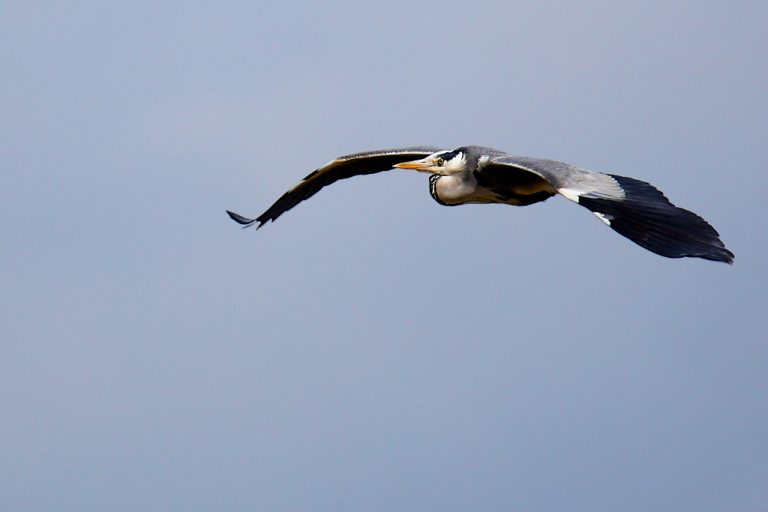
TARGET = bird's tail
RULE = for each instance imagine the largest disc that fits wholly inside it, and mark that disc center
(646, 217)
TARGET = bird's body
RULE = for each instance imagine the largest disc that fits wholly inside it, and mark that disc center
(475, 174)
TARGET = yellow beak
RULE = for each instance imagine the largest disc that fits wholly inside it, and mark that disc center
(418, 165)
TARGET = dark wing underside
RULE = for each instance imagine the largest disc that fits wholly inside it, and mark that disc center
(513, 184)
(343, 167)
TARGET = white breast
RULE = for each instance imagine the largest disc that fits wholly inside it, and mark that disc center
(456, 189)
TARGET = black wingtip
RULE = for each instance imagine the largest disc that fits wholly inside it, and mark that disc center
(720, 254)
(244, 221)
(646, 217)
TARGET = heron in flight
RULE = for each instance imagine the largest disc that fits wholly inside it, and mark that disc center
(475, 174)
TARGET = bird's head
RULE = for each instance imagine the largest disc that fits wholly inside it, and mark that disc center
(443, 162)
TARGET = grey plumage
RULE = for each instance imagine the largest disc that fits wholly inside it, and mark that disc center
(475, 174)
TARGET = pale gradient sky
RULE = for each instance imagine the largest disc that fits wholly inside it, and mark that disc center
(373, 350)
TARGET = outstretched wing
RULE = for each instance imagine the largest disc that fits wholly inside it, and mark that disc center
(632, 208)
(369, 162)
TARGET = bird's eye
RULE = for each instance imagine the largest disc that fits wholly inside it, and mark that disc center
(439, 162)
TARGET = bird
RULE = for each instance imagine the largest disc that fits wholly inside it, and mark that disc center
(476, 174)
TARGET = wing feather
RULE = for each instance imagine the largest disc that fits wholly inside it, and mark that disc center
(568, 180)
(357, 164)
(632, 208)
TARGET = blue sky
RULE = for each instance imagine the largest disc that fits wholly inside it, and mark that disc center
(373, 350)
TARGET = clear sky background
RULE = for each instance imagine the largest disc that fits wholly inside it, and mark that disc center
(373, 350)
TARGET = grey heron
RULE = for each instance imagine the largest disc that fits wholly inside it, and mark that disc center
(475, 174)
